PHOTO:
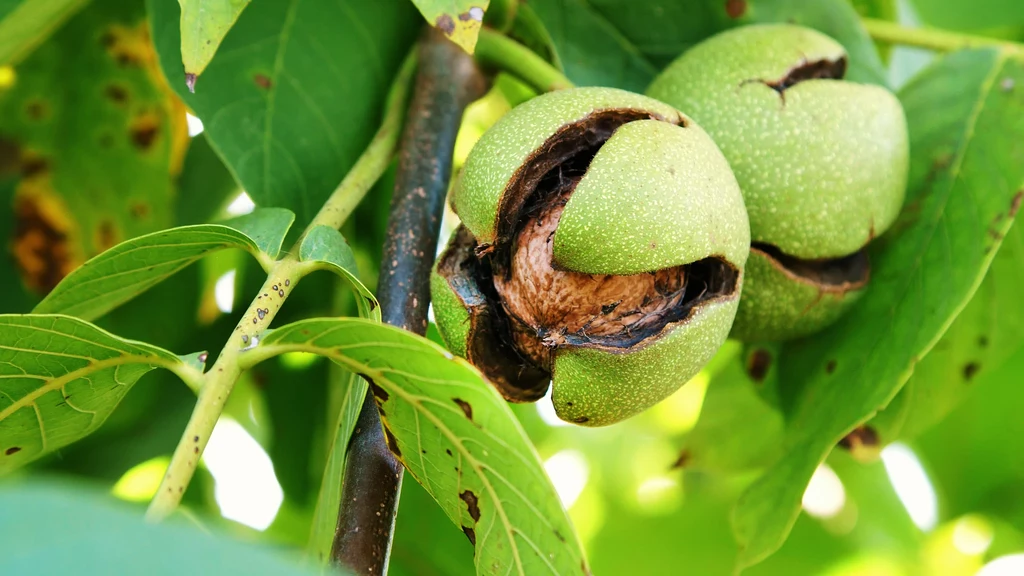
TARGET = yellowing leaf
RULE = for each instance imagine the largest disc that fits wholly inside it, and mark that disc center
(460, 20)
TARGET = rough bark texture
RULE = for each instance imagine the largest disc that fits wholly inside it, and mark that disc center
(446, 83)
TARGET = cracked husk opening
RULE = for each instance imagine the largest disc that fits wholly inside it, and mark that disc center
(523, 310)
(836, 275)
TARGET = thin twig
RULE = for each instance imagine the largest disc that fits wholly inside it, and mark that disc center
(447, 82)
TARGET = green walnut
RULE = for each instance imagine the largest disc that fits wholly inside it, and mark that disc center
(822, 163)
(601, 253)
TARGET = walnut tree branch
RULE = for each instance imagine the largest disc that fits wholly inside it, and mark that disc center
(447, 82)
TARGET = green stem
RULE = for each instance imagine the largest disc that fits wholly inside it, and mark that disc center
(933, 39)
(499, 51)
(219, 381)
(283, 276)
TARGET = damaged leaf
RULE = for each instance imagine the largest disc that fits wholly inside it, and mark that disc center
(204, 23)
(93, 138)
(460, 20)
(483, 472)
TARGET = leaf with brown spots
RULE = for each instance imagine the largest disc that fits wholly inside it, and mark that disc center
(94, 136)
(922, 277)
(460, 20)
(492, 484)
(296, 91)
(60, 378)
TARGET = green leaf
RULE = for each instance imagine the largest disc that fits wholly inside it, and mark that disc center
(328, 503)
(296, 91)
(24, 24)
(988, 332)
(326, 247)
(967, 170)
(60, 378)
(100, 536)
(132, 267)
(96, 138)
(204, 23)
(624, 43)
(455, 435)
(459, 20)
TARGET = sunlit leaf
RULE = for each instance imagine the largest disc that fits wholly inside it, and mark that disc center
(295, 92)
(459, 20)
(967, 170)
(456, 436)
(60, 378)
(26, 23)
(204, 23)
(132, 267)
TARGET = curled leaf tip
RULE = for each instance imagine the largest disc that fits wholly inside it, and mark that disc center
(190, 81)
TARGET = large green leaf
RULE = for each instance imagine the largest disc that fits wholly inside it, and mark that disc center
(456, 436)
(295, 92)
(204, 24)
(132, 267)
(97, 138)
(967, 135)
(988, 332)
(459, 20)
(60, 378)
(26, 23)
(97, 536)
(624, 43)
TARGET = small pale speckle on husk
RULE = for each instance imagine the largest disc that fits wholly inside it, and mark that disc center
(592, 324)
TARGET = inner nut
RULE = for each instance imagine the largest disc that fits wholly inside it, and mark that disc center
(550, 308)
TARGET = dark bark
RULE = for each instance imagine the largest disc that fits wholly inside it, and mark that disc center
(447, 81)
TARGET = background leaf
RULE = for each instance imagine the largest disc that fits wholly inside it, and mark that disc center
(96, 139)
(456, 436)
(204, 23)
(25, 23)
(958, 15)
(60, 378)
(625, 43)
(295, 92)
(967, 138)
(205, 186)
(459, 20)
(132, 267)
(97, 536)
